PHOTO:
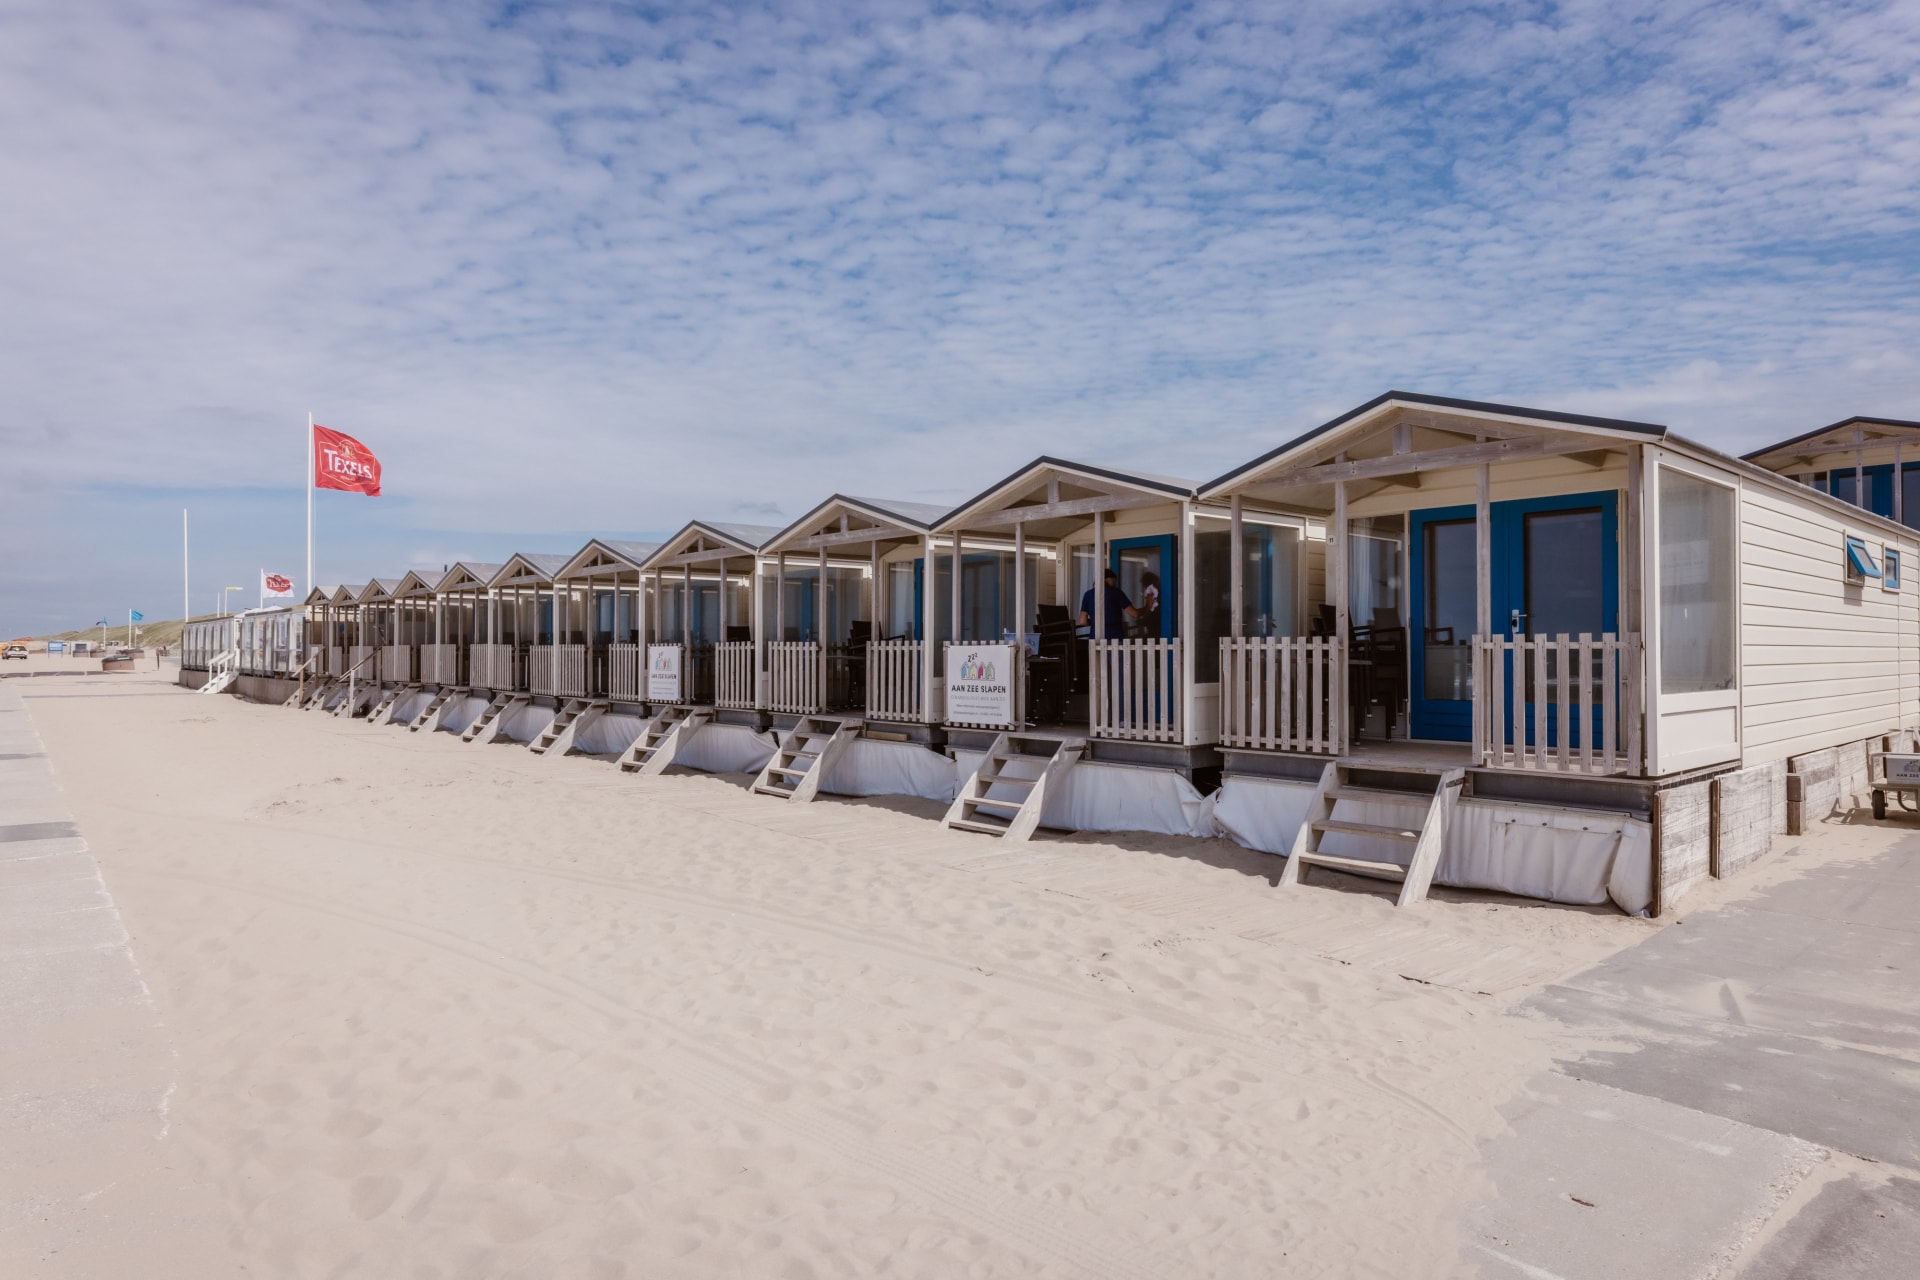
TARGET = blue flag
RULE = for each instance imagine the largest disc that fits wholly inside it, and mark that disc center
(136, 615)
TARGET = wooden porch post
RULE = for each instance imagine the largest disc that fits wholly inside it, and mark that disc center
(1020, 582)
(686, 618)
(1494, 735)
(1189, 560)
(1236, 586)
(820, 635)
(780, 601)
(1339, 711)
(1899, 503)
(1097, 624)
(927, 637)
(1634, 694)
(953, 590)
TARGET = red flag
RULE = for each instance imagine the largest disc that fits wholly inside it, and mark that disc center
(341, 462)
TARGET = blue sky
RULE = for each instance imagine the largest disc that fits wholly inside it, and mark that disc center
(600, 268)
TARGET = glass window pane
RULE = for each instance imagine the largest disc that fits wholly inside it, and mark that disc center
(1697, 542)
(1374, 573)
(1451, 594)
(1910, 496)
(1565, 564)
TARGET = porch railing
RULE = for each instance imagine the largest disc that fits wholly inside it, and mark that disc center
(557, 670)
(358, 665)
(896, 680)
(573, 671)
(794, 672)
(733, 675)
(1134, 690)
(1282, 693)
(1565, 704)
(627, 672)
(440, 663)
(491, 666)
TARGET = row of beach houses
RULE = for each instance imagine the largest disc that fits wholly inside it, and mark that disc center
(1430, 641)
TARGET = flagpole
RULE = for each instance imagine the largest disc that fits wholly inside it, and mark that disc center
(309, 502)
(186, 581)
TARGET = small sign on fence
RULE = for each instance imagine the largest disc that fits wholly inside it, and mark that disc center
(980, 684)
(663, 673)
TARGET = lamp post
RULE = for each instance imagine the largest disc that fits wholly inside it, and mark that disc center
(222, 610)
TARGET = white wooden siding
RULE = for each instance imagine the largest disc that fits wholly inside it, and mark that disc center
(1821, 662)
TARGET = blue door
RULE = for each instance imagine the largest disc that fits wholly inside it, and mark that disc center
(1555, 571)
(1147, 574)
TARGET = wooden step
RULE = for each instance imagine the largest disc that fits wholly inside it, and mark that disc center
(1375, 795)
(985, 826)
(1359, 866)
(1012, 805)
(1367, 829)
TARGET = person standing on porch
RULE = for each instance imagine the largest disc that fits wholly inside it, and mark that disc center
(1120, 610)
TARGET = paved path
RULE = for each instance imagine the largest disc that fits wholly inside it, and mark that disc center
(87, 1064)
(1728, 1054)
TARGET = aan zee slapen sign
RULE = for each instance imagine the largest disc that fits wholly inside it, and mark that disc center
(663, 673)
(980, 684)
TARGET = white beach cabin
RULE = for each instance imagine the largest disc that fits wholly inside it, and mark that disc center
(518, 627)
(593, 670)
(1071, 697)
(846, 669)
(699, 625)
(1559, 655)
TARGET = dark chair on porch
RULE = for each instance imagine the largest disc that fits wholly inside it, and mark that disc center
(1054, 672)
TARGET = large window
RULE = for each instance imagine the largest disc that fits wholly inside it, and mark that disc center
(1269, 576)
(1698, 536)
(1373, 571)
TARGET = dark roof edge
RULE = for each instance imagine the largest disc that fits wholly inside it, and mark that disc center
(1047, 460)
(1831, 426)
(1652, 430)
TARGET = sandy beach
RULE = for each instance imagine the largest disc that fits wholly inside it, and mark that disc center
(427, 1010)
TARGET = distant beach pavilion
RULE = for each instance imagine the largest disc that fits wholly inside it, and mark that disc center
(602, 589)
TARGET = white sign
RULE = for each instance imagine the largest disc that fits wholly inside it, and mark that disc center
(980, 684)
(663, 673)
(1903, 769)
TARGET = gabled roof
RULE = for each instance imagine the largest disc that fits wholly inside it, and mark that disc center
(319, 595)
(414, 583)
(1882, 429)
(604, 551)
(378, 589)
(1379, 406)
(1102, 478)
(887, 518)
(467, 573)
(539, 566)
(739, 539)
(347, 594)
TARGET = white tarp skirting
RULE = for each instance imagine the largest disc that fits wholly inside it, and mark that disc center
(527, 723)
(461, 712)
(1106, 797)
(726, 748)
(410, 705)
(609, 735)
(871, 768)
(1559, 855)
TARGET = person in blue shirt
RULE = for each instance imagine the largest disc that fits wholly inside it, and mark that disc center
(1120, 610)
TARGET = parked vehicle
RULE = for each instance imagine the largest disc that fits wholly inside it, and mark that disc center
(14, 651)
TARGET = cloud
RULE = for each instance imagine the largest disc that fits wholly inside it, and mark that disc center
(582, 264)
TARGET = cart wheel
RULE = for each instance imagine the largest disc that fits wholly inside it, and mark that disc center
(1880, 805)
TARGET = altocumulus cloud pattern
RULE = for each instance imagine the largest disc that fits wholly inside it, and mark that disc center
(605, 267)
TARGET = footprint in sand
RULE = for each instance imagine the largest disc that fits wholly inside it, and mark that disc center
(371, 1197)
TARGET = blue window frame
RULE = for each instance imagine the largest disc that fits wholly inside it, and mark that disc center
(1860, 563)
(1890, 569)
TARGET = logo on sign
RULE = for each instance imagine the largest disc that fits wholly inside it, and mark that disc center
(279, 584)
(977, 667)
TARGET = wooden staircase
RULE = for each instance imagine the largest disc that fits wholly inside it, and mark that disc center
(308, 695)
(429, 717)
(1005, 796)
(662, 739)
(362, 695)
(491, 723)
(803, 757)
(390, 702)
(574, 715)
(1426, 796)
